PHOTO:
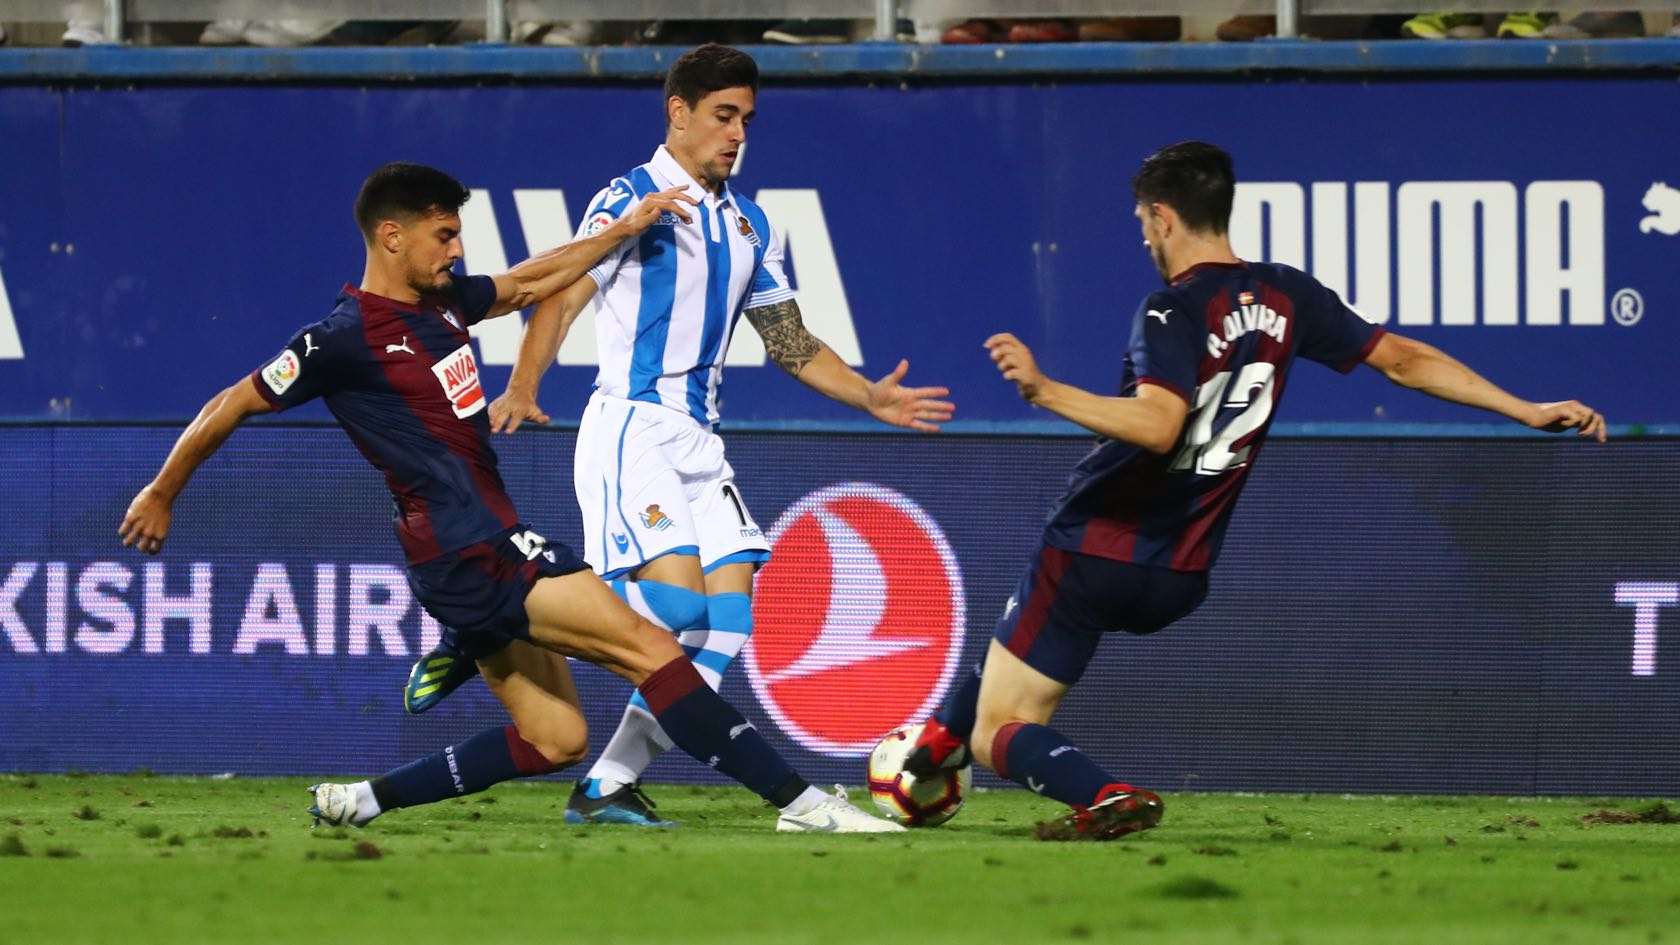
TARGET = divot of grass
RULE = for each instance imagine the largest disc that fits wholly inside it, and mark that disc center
(176, 840)
(368, 850)
(1568, 865)
(1392, 846)
(1214, 850)
(62, 853)
(12, 845)
(148, 831)
(1195, 887)
(142, 803)
(225, 832)
(1658, 813)
(86, 812)
(1157, 860)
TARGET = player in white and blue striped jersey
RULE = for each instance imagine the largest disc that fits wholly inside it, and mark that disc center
(663, 519)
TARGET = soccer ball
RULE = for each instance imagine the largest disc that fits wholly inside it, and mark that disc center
(913, 801)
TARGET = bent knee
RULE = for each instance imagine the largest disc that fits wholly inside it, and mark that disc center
(654, 643)
(557, 745)
(680, 608)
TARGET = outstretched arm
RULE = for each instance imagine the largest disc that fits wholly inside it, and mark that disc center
(544, 334)
(815, 364)
(1423, 367)
(147, 523)
(1152, 419)
(544, 274)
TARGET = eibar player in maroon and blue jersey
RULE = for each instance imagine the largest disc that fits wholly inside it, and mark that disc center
(1129, 545)
(394, 364)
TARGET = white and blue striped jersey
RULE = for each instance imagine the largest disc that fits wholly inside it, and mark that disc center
(668, 300)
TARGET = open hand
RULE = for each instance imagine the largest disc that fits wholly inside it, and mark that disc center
(1568, 414)
(1015, 362)
(653, 206)
(918, 408)
(511, 409)
(147, 523)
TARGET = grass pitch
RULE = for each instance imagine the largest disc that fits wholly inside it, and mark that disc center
(153, 859)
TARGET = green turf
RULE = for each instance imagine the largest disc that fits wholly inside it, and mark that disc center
(142, 859)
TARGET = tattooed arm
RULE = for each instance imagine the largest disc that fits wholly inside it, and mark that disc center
(815, 364)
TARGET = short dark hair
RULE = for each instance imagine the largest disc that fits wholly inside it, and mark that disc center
(1192, 177)
(403, 191)
(707, 69)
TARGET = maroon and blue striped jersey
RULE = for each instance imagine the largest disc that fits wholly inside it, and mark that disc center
(401, 379)
(1221, 336)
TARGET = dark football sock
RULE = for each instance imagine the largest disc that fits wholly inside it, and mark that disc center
(1043, 760)
(957, 714)
(701, 723)
(489, 757)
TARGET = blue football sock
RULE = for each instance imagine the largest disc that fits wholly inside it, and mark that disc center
(1042, 759)
(701, 723)
(729, 621)
(957, 714)
(490, 757)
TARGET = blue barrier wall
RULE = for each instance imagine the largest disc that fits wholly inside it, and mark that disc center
(156, 241)
(1434, 615)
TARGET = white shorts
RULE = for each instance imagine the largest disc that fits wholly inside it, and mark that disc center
(650, 481)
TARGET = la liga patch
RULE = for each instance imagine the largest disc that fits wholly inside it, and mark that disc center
(282, 372)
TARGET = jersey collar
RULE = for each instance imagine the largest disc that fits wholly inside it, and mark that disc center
(1184, 276)
(668, 173)
(430, 303)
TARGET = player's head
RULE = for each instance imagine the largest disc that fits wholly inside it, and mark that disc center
(710, 97)
(1184, 192)
(409, 215)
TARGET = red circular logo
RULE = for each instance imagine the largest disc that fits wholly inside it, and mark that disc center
(859, 615)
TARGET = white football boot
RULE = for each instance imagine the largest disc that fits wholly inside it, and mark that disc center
(335, 805)
(835, 815)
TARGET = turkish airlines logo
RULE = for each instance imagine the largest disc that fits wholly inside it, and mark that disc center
(860, 618)
(458, 373)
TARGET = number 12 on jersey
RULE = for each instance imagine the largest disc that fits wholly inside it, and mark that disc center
(1209, 452)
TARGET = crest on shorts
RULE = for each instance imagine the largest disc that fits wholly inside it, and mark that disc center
(655, 519)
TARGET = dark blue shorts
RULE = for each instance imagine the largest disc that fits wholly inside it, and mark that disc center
(1068, 600)
(478, 592)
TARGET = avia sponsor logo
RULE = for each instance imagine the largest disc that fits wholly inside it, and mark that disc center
(458, 373)
(106, 608)
(860, 618)
(1443, 252)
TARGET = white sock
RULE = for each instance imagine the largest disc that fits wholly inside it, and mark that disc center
(367, 807)
(810, 798)
(633, 747)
